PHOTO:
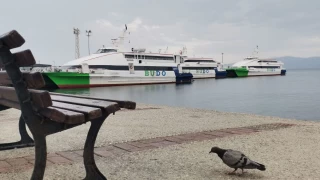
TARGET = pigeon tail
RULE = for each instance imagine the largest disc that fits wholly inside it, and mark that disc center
(259, 166)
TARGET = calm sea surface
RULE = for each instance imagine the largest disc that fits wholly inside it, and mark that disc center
(296, 95)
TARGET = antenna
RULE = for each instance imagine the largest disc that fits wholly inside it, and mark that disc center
(114, 43)
(184, 50)
(76, 32)
(119, 42)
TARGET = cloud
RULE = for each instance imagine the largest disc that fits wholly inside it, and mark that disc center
(206, 27)
(114, 14)
(135, 24)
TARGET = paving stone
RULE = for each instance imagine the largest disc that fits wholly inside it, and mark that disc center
(126, 146)
(163, 143)
(52, 155)
(18, 161)
(48, 163)
(59, 160)
(79, 152)
(174, 139)
(234, 131)
(6, 170)
(71, 156)
(153, 140)
(4, 164)
(202, 137)
(139, 144)
(247, 130)
(104, 153)
(23, 168)
(31, 157)
(184, 137)
(218, 133)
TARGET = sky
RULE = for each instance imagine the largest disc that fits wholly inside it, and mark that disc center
(207, 28)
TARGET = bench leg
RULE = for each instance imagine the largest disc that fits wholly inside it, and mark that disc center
(40, 157)
(26, 140)
(92, 172)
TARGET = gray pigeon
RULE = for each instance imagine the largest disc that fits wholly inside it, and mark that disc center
(236, 159)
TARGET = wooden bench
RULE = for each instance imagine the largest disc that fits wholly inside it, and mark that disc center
(47, 113)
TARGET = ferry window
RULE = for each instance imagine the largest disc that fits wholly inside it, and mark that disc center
(128, 56)
(106, 51)
(158, 58)
(206, 61)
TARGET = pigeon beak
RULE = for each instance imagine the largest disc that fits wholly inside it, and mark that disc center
(210, 152)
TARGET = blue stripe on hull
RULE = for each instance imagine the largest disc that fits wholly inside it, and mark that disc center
(283, 72)
(220, 74)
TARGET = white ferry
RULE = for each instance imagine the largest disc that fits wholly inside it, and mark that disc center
(254, 66)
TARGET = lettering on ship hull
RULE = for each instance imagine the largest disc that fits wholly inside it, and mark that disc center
(154, 73)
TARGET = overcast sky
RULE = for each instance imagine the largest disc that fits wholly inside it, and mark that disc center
(206, 27)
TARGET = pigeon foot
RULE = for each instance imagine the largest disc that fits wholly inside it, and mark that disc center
(233, 172)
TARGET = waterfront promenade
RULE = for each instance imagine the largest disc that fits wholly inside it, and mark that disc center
(161, 142)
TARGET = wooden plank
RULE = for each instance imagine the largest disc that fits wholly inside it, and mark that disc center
(40, 99)
(89, 112)
(122, 104)
(22, 58)
(109, 107)
(33, 80)
(62, 115)
(12, 39)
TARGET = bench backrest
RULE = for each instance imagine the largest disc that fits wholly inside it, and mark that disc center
(15, 86)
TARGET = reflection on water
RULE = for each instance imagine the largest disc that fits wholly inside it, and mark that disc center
(295, 95)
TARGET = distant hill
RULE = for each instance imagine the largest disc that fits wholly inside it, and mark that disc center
(297, 62)
(300, 63)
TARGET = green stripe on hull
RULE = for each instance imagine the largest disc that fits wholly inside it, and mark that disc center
(61, 79)
(237, 72)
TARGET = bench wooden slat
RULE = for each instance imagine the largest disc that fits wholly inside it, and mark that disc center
(33, 80)
(11, 104)
(8, 97)
(105, 105)
(62, 115)
(12, 39)
(122, 104)
(89, 112)
(23, 59)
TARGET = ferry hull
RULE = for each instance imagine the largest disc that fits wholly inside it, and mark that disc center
(203, 74)
(241, 72)
(67, 80)
(220, 74)
(264, 73)
(248, 73)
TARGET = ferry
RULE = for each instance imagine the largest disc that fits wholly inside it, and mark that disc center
(199, 67)
(113, 66)
(254, 66)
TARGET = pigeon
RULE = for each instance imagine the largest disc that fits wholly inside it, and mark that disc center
(236, 159)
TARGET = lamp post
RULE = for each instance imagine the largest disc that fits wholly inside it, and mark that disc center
(88, 34)
(222, 58)
(222, 61)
